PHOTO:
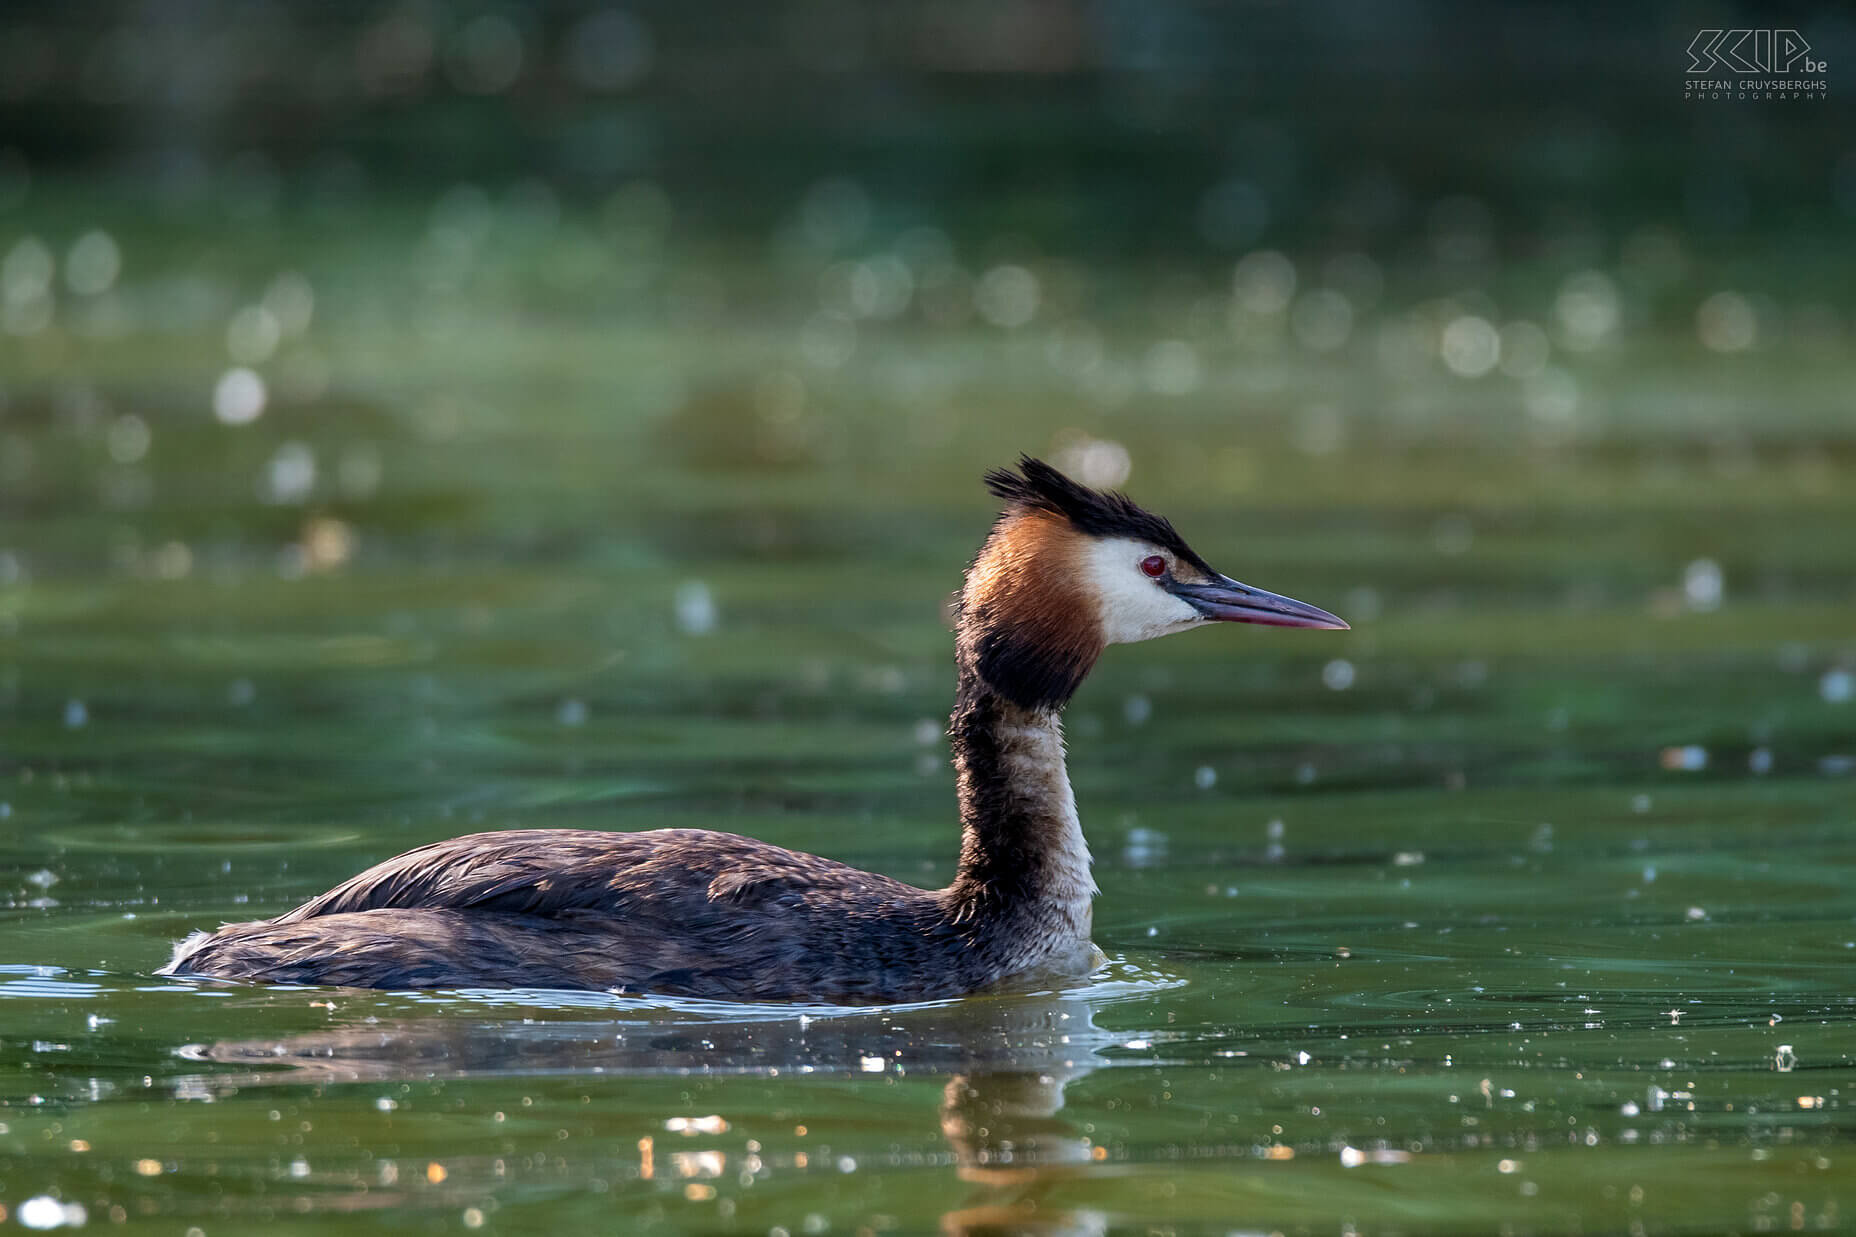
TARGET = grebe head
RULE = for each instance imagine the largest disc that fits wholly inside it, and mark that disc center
(1069, 570)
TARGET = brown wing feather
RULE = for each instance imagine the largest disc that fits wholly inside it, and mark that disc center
(550, 872)
(683, 911)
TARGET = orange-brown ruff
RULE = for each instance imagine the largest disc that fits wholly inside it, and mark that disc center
(699, 913)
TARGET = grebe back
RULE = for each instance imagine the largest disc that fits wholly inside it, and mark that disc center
(1065, 572)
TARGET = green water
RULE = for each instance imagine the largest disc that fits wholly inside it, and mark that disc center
(1526, 906)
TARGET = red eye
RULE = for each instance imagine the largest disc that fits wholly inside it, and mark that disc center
(1154, 565)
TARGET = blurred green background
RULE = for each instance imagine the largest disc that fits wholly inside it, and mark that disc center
(425, 417)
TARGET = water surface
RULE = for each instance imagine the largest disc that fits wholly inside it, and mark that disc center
(1526, 906)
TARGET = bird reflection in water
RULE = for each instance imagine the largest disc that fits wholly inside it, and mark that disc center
(1004, 1063)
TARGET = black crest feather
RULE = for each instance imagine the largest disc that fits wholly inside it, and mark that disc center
(1036, 486)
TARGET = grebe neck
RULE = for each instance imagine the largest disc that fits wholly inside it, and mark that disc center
(1022, 854)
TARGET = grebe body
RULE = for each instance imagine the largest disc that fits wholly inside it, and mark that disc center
(1066, 571)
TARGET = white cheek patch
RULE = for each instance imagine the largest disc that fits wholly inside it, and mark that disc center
(1133, 606)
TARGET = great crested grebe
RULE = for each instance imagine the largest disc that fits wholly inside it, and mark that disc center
(1066, 571)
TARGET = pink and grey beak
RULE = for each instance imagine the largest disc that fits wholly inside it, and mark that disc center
(1224, 600)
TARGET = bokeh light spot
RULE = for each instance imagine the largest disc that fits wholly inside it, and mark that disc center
(239, 397)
